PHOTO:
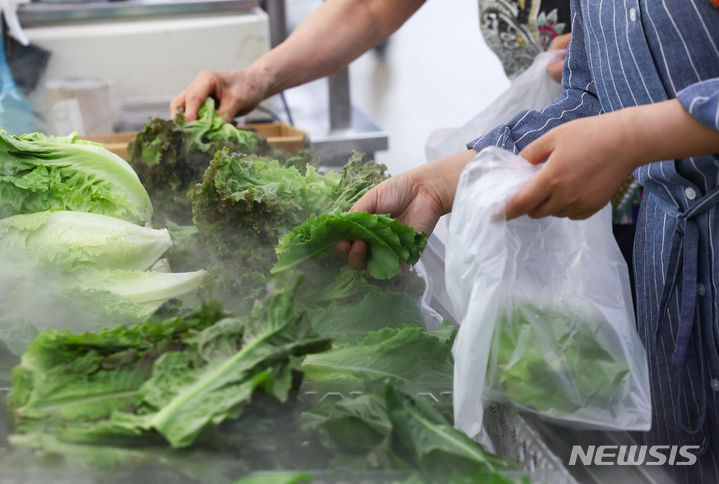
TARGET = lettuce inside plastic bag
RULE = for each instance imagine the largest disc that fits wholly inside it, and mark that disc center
(545, 309)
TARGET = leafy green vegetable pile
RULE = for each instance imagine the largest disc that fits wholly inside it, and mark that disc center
(73, 256)
(552, 360)
(170, 379)
(121, 375)
(230, 384)
(245, 204)
(170, 157)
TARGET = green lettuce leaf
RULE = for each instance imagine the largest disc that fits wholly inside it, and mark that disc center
(259, 195)
(388, 242)
(407, 354)
(209, 132)
(437, 448)
(555, 360)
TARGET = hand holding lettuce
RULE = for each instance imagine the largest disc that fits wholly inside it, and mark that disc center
(389, 242)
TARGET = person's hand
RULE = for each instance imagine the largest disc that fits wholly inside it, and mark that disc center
(238, 92)
(417, 198)
(587, 161)
(555, 68)
(405, 198)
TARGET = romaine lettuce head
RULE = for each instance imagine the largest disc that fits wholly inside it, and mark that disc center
(77, 239)
(39, 173)
(35, 298)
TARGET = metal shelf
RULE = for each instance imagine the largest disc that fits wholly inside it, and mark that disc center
(43, 13)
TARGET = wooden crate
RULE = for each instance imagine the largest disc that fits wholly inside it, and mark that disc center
(280, 135)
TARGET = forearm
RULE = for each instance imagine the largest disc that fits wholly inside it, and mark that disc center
(665, 131)
(334, 34)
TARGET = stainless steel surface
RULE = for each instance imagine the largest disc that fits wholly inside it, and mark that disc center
(561, 440)
(310, 107)
(340, 100)
(513, 437)
(278, 20)
(51, 13)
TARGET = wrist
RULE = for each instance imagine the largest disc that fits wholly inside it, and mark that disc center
(632, 140)
(441, 177)
(263, 77)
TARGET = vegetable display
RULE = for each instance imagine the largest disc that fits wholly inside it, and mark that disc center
(118, 373)
(170, 379)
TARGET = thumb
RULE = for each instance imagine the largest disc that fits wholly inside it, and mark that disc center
(532, 195)
(538, 150)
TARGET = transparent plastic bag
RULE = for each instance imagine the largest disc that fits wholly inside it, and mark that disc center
(545, 307)
(533, 89)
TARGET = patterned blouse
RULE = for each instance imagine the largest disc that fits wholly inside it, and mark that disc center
(518, 30)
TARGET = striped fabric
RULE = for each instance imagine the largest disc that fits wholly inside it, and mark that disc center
(631, 52)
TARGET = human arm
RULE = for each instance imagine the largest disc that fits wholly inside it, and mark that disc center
(588, 159)
(335, 34)
(440, 177)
